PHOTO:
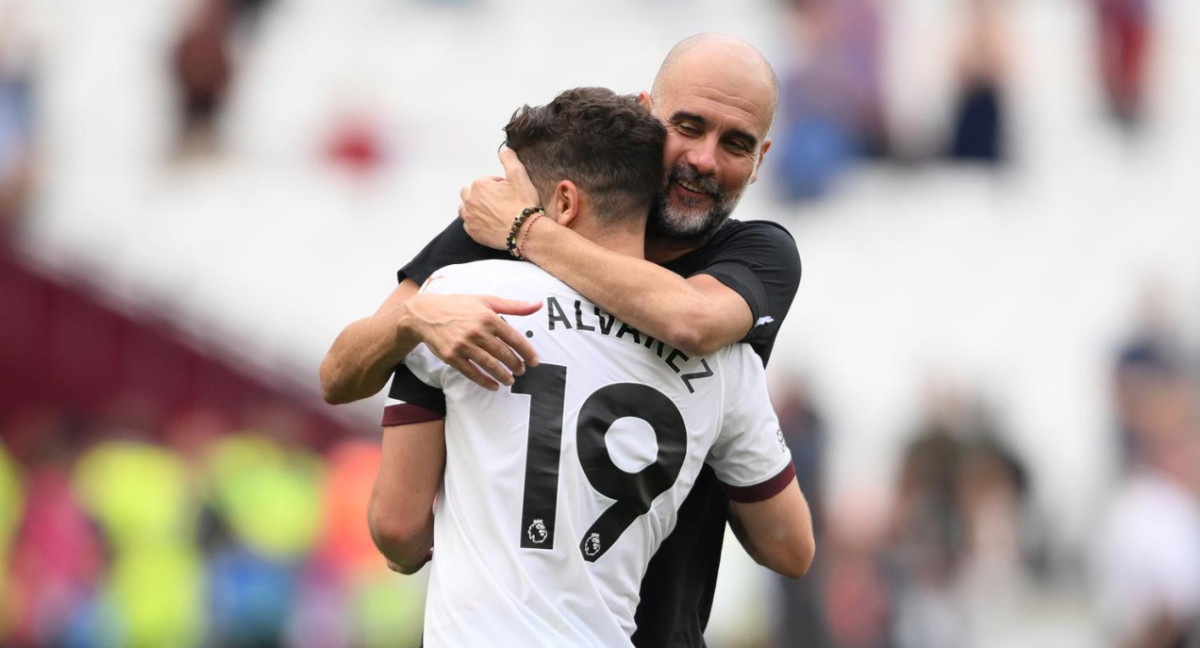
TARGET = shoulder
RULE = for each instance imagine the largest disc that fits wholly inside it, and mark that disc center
(758, 245)
(736, 231)
(770, 239)
(486, 276)
(766, 248)
(756, 241)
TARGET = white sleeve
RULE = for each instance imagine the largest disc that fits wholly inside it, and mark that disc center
(427, 367)
(750, 457)
(423, 365)
(410, 402)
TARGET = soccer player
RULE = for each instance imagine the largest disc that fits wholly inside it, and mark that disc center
(558, 491)
(721, 281)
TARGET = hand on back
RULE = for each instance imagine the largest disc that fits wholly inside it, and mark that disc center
(468, 333)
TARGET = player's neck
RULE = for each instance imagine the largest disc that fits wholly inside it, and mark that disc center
(630, 241)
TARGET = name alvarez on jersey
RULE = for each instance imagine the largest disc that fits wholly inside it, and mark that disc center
(603, 324)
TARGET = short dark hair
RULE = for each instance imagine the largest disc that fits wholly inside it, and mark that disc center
(607, 144)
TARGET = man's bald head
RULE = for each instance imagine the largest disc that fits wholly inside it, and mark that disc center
(717, 95)
(729, 54)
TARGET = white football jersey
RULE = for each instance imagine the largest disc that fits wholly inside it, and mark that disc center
(558, 490)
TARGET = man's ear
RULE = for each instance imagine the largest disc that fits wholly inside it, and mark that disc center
(762, 155)
(566, 203)
(646, 100)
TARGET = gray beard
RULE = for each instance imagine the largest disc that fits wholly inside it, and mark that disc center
(681, 226)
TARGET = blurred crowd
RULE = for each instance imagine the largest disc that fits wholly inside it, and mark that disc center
(837, 90)
(959, 524)
(958, 549)
(834, 109)
(199, 534)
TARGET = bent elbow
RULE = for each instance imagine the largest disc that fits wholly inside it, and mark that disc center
(797, 561)
(794, 568)
(333, 391)
(687, 336)
(329, 392)
(804, 560)
(400, 539)
(331, 396)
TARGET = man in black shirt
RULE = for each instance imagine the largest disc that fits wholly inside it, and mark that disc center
(720, 281)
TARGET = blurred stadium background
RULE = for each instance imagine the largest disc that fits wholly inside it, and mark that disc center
(988, 378)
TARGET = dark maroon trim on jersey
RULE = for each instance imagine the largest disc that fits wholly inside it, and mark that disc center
(763, 491)
(406, 413)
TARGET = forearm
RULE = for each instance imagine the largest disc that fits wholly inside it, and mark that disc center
(361, 360)
(645, 295)
(777, 533)
(400, 514)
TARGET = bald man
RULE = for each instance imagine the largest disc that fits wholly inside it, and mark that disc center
(708, 281)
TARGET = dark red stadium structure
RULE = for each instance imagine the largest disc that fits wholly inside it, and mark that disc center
(62, 347)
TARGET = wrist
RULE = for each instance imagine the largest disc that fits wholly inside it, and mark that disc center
(406, 331)
(523, 234)
(519, 222)
(536, 240)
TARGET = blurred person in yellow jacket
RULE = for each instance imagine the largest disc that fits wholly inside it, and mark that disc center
(139, 494)
(266, 494)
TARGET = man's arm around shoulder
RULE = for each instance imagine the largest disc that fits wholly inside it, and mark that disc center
(465, 331)
(362, 357)
(697, 315)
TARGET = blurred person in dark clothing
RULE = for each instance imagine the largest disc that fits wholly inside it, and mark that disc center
(802, 612)
(1000, 532)
(1149, 358)
(1125, 39)
(249, 14)
(202, 67)
(979, 113)
(930, 528)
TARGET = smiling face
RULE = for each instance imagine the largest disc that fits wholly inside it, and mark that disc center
(717, 100)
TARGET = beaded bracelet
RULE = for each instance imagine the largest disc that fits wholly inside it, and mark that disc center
(516, 228)
(525, 235)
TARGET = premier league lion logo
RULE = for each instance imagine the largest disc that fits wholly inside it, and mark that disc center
(592, 546)
(537, 532)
